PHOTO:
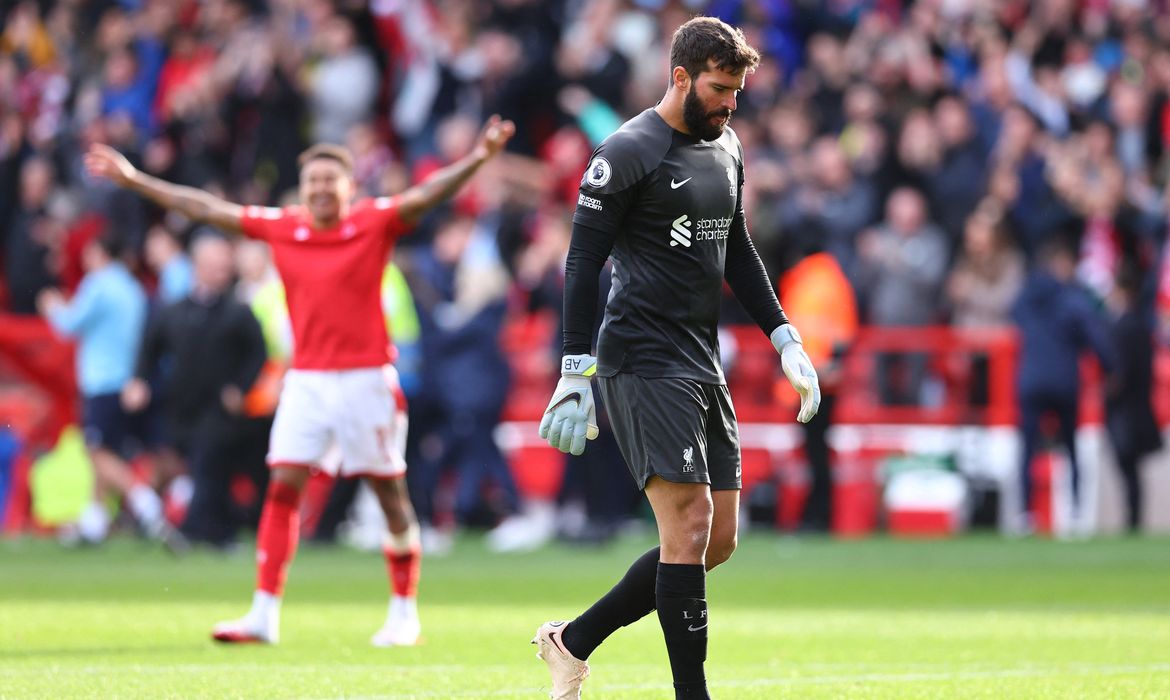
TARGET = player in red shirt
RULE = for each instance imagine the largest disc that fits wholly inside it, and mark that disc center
(341, 394)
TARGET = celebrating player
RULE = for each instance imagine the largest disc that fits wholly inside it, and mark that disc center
(330, 252)
(663, 198)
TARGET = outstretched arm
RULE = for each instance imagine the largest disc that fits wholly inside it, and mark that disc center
(418, 200)
(103, 161)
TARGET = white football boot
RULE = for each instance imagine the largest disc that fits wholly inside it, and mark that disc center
(260, 626)
(568, 672)
(402, 628)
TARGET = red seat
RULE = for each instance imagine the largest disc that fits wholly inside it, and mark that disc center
(538, 471)
(757, 467)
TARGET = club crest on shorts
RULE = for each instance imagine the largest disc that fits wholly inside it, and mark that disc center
(598, 172)
(689, 459)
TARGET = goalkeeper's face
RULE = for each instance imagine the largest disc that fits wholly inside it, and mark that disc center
(326, 189)
(711, 100)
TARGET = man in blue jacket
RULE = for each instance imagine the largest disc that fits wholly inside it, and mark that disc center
(1057, 321)
(106, 318)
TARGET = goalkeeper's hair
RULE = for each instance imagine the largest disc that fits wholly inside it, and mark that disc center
(701, 40)
(327, 151)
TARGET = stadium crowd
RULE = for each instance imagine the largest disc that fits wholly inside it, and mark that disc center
(945, 157)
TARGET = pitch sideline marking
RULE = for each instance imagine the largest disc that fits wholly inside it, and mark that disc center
(1027, 672)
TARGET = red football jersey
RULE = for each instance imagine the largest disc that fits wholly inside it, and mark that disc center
(332, 280)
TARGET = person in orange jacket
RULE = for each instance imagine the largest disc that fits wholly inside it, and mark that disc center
(819, 299)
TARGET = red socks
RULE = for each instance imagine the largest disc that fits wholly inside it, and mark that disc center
(404, 570)
(403, 560)
(276, 542)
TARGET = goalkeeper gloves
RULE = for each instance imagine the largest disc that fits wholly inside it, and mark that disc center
(571, 416)
(799, 370)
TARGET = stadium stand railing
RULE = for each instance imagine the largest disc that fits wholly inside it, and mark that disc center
(970, 409)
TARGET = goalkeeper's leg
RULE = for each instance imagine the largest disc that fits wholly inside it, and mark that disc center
(684, 512)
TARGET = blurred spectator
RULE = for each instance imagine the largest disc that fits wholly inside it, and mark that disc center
(1020, 181)
(32, 238)
(1089, 179)
(818, 298)
(987, 274)
(260, 287)
(586, 56)
(459, 286)
(990, 98)
(516, 82)
(106, 317)
(183, 77)
(344, 82)
(213, 350)
(372, 158)
(25, 36)
(918, 154)
(983, 285)
(1129, 418)
(902, 266)
(1057, 323)
(960, 180)
(833, 202)
(128, 90)
(829, 76)
(1039, 92)
(166, 257)
(1129, 111)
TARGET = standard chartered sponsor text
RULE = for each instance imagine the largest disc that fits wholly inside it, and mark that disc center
(712, 229)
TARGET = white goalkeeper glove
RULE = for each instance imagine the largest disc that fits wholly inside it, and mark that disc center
(799, 370)
(571, 416)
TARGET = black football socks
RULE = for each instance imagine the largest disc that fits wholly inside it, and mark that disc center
(681, 597)
(626, 603)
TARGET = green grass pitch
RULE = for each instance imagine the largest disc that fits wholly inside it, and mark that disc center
(791, 618)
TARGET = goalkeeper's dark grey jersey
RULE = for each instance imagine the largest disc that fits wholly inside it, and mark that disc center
(669, 202)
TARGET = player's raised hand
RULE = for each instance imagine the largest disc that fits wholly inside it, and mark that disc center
(103, 161)
(799, 370)
(494, 135)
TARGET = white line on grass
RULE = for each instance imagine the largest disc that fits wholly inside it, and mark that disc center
(824, 679)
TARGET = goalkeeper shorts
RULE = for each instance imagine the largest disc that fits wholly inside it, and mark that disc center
(678, 429)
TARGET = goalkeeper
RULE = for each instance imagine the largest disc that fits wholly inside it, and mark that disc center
(663, 199)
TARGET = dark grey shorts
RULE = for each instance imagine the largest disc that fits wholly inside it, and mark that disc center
(679, 429)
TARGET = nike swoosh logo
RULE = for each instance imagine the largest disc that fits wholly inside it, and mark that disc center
(558, 642)
(695, 629)
(562, 402)
(675, 185)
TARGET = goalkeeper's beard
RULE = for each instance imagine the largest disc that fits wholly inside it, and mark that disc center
(698, 120)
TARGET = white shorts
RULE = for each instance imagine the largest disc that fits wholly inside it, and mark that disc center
(347, 422)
